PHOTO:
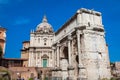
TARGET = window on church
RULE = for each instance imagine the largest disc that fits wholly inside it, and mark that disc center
(38, 55)
(38, 40)
(34, 56)
(44, 62)
(45, 40)
(44, 43)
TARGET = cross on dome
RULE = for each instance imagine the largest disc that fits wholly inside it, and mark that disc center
(44, 19)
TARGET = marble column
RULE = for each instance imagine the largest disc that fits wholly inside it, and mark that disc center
(69, 49)
(48, 59)
(32, 60)
(53, 63)
(82, 70)
(53, 57)
(58, 54)
(58, 70)
(70, 67)
(29, 59)
(40, 64)
(36, 59)
(79, 48)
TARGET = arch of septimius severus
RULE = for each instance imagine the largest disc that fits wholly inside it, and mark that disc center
(77, 51)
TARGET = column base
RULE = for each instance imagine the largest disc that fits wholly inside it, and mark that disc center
(70, 72)
(56, 73)
(70, 78)
(56, 69)
(70, 68)
(81, 67)
(82, 73)
(56, 78)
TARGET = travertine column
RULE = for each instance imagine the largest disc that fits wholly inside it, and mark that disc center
(36, 59)
(53, 56)
(48, 58)
(40, 59)
(79, 48)
(82, 70)
(70, 67)
(58, 54)
(29, 59)
(69, 49)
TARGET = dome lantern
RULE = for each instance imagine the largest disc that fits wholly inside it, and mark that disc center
(44, 19)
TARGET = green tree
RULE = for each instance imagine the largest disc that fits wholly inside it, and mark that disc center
(30, 78)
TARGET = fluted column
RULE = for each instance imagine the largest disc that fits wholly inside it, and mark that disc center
(58, 54)
(79, 48)
(29, 59)
(36, 59)
(32, 58)
(53, 56)
(40, 59)
(69, 49)
(82, 69)
(70, 67)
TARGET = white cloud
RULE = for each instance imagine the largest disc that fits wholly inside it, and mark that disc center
(21, 21)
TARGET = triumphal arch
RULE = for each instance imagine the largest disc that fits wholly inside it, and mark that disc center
(77, 51)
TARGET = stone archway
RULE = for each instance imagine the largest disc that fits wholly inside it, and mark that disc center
(64, 62)
(65, 52)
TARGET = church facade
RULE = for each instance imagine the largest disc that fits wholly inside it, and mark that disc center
(2, 41)
(77, 51)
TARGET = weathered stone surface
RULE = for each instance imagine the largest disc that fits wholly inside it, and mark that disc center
(76, 51)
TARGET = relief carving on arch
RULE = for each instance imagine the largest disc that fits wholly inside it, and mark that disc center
(75, 46)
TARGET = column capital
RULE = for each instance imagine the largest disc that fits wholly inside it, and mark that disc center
(58, 44)
(69, 37)
(70, 67)
(78, 32)
(53, 48)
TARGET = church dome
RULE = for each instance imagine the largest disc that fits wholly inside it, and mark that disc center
(44, 27)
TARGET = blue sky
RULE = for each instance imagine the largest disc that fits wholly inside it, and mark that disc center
(20, 16)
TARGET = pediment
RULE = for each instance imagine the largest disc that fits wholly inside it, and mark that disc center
(45, 56)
